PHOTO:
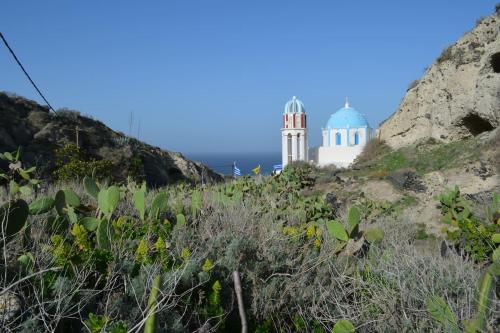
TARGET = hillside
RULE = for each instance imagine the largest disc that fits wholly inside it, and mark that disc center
(26, 124)
(404, 240)
(459, 94)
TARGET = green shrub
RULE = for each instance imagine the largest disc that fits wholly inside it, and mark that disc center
(20, 181)
(100, 250)
(73, 164)
(136, 169)
(378, 160)
(470, 234)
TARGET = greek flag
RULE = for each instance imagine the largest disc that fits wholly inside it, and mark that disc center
(277, 167)
(236, 170)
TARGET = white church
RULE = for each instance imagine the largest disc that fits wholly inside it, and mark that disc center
(344, 137)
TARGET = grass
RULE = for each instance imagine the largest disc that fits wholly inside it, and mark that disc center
(427, 157)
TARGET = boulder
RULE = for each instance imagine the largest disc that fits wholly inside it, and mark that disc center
(407, 179)
(10, 306)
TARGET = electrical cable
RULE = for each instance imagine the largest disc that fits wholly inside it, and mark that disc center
(25, 72)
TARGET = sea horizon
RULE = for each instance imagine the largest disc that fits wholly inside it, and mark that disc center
(222, 162)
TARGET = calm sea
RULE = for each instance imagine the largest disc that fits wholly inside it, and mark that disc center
(223, 162)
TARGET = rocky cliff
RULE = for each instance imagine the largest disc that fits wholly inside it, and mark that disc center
(458, 96)
(26, 124)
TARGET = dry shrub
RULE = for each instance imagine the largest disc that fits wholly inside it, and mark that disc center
(287, 284)
(326, 174)
(495, 142)
(372, 151)
(446, 55)
(378, 174)
(287, 281)
(412, 85)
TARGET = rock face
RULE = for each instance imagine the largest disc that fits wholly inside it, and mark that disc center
(10, 306)
(26, 124)
(457, 97)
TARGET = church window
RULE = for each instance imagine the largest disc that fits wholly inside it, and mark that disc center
(338, 138)
(289, 148)
(356, 138)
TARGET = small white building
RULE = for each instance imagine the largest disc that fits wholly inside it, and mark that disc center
(344, 137)
(294, 133)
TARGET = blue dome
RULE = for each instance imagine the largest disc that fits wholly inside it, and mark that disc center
(294, 106)
(347, 117)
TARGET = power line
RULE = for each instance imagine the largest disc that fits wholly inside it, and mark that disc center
(25, 72)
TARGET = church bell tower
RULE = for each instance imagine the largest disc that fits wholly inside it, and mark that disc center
(294, 133)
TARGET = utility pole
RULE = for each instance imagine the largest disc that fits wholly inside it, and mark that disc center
(77, 130)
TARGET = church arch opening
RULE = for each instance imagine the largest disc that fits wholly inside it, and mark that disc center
(289, 148)
(356, 138)
(475, 124)
(298, 146)
(495, 62)
(338, 139)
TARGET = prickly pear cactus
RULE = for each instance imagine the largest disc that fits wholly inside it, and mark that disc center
(41, 206)
(14, 215)
(159, 205)
(64, 199)
(91, 187)
(140, 201)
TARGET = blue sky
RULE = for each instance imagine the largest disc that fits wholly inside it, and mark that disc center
(213, 76)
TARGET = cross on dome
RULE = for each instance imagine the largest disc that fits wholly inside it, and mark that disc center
(347, 117)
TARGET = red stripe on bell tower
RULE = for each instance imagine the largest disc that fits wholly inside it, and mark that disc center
(286, 121)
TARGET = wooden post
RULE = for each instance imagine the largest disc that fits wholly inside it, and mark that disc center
(241, 306)
(77, 130)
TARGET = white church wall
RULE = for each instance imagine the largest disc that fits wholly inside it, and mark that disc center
(341, 156)
(333, 133)
(361, 134)
(298, 147)
(284, 152)
(305, 145)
